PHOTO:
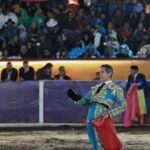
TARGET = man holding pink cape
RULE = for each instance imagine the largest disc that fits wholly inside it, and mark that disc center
(138, 101)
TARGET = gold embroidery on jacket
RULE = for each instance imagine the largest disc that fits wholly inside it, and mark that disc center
(100, 97)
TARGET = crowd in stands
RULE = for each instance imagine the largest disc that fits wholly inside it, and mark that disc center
(56, 29)
(27, 73)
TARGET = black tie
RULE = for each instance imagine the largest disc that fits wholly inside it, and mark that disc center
(99, 88)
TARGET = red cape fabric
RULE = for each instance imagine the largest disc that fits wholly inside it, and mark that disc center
(107, 133)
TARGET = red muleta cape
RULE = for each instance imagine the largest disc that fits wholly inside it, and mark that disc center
(107, 133)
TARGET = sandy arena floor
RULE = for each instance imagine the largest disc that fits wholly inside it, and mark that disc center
(72, 139)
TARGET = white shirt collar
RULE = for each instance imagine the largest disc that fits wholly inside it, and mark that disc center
(107, 82)
(135, 75)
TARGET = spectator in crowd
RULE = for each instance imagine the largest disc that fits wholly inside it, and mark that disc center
(145, 39)
(91, 17)
(90, 53)
(52, 31)
(22, 34)
(133, 19)
(9, 29)
(98, 39)
(112, 45)
(126, 32)
(33, 31)
(62, 74)
(30, 8)
(24, 18)
(46, 54)
(26, 72)
(13, 46)
(124, 52)
(39, 16)
(9, 73)
(71, 21)
(24, 51)
(60, 43)
(110, 28)
(45, 73)
(144, 19)
(118, 18)
(9, 15)
(138, 34)
(104, 18)
(81, 20)
(85, 40)
(144, 52)
(59, 12)
(62, 53)
(64, 26)
(44, 44)
(16, 7)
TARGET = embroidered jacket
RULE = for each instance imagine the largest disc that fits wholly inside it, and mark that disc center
(108, 95)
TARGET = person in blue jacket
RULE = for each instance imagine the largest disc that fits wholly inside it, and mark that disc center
(100, 99)
(136, 77)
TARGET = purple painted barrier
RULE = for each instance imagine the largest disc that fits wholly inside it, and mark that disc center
(57, 106)
(19, 102)
(59, 109)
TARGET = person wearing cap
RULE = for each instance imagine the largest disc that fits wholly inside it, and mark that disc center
(9, 29)
(113, 41)
(51, 23)
(112, 45)
(100, 100)
(52, 30)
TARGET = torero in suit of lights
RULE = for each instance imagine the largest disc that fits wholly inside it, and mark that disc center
(100, 99)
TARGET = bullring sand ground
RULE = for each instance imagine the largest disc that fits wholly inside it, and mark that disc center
(68, 139)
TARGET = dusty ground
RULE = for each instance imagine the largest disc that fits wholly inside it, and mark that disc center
(72, 139)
